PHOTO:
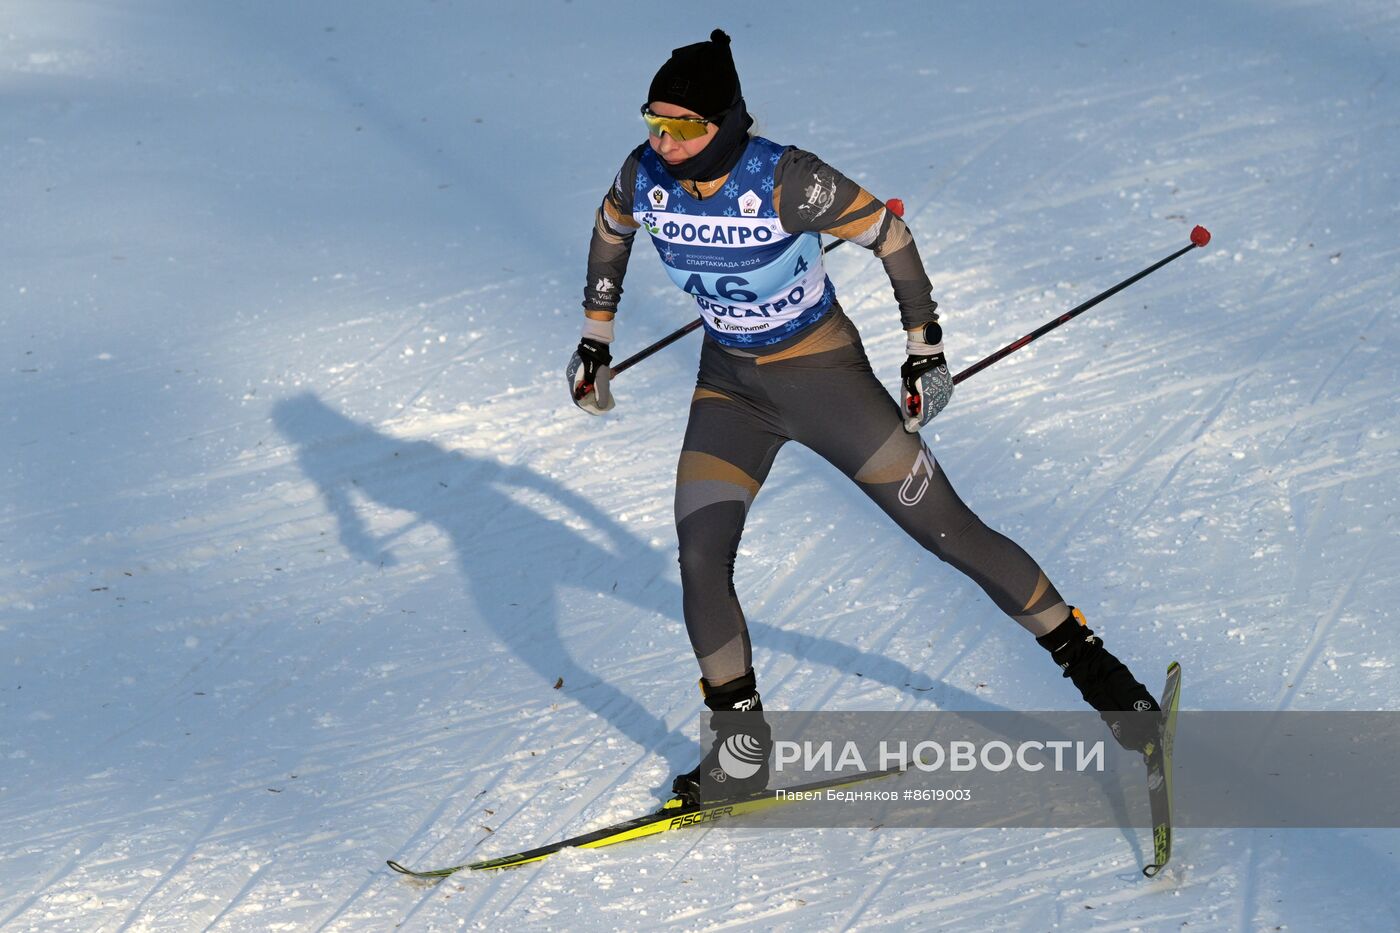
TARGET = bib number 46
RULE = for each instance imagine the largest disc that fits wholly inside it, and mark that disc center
(728, 287)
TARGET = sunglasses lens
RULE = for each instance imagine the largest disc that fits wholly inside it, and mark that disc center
(676, 127)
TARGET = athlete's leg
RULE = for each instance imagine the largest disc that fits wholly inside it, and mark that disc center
(833, 403)
(836, 406)
(726, 456)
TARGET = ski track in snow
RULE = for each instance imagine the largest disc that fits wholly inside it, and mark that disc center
(300, 537)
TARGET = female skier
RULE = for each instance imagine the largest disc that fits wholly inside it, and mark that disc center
(737, 220)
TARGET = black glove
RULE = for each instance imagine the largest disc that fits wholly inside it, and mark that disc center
(588, 376)
(926, 386)
(1137, 730)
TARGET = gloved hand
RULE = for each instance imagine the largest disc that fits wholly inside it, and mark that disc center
(588, 376)
(925, 383)
(1136, 730)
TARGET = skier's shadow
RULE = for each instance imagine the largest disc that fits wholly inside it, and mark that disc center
(516, 559)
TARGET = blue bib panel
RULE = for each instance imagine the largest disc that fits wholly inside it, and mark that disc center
(754, 282)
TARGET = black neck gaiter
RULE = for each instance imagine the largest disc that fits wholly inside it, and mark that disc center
(718, 158)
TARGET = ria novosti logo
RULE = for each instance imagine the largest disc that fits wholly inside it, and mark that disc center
(740, 756)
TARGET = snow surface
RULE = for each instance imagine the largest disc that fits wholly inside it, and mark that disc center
(299, 533)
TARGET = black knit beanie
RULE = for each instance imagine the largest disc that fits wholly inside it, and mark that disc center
(699, 77)
(702, 78)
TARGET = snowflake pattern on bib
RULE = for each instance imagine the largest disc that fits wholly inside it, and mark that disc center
(754, 282)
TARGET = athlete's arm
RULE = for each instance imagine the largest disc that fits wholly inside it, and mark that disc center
(812, 195)
(588, 373)
(611, 246)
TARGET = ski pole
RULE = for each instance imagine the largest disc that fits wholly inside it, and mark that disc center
(1200, 236)
(894, 205)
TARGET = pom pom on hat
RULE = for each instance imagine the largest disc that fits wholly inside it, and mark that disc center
(699, 77)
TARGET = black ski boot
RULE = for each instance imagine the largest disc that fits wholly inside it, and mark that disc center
(1105, 683)
(736, 765)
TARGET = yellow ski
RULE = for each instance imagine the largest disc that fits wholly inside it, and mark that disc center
(1159, 774)
(673, 815)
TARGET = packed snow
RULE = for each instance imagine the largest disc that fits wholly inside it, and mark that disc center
(309, 563)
